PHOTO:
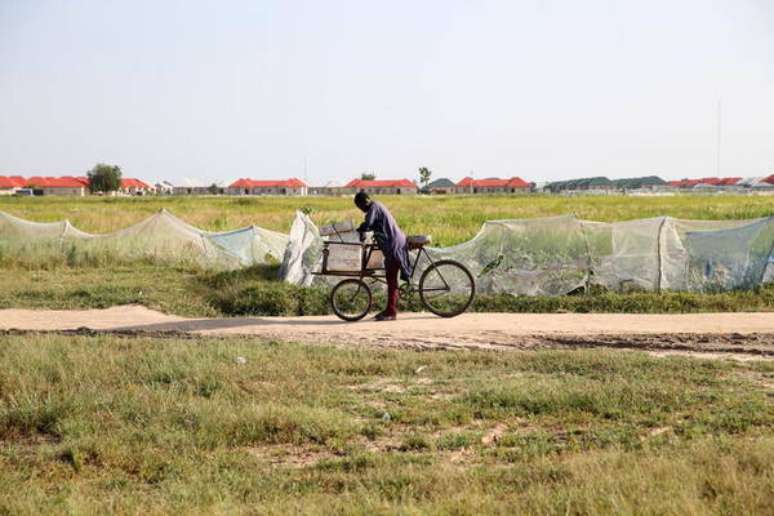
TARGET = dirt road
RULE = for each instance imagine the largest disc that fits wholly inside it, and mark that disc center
(749, 335)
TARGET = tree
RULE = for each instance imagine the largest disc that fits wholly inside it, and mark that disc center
(424, 176)
(104, 178)
(367, 176)
(214, 189)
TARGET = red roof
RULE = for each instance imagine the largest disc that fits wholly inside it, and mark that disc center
(58, 182)
(493, 182)
(714, 181)
(253, 183)
(769, 179)
(62, 182)
(12, 182)
(381, 183)
(38, 180)
(134, 183)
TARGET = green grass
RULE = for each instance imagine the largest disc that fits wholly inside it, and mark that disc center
(107, 424)
(253, 291)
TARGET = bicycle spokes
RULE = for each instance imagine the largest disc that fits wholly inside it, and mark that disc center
(351, 299)
(447, 288)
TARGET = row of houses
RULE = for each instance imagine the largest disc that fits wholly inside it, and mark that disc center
(295, 186)
(724, 183)
(513, 185)
(64, 185)
(603, 184)
(656, 184)
(79, 186)
(438, 187)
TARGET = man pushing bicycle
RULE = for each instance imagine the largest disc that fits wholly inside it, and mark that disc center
(392, 243)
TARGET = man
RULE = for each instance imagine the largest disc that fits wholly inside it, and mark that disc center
(392, 242)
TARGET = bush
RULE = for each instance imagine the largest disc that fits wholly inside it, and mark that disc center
(260, 300)
(272, 299)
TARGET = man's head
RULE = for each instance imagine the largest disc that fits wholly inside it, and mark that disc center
(362, 201)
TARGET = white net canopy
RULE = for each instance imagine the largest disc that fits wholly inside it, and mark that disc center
(159, 238)
(547, 256)
(559, 255)
(303, 254)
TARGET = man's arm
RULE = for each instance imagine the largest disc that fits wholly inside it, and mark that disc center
(370, 220)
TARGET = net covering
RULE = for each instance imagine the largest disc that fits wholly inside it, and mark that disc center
(559, 255)
(161, 237)
(548, 256)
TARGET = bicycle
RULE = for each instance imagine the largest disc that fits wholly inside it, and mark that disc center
(446, 287)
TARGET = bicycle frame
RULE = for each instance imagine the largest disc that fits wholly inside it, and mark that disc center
(421, 251)
(365, 278)
(373, 275)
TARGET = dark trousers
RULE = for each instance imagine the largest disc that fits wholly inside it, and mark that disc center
(392, 268)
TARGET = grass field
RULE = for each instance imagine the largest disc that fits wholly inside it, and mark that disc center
(194, 292)
(148, 425)
(135, 425)
(255, 292)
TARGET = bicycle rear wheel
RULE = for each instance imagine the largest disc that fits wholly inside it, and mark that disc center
(351, 299)
(447, 288)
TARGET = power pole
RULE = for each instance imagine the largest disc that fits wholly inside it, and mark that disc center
(719, 137)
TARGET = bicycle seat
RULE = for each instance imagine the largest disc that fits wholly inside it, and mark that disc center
(417, 241)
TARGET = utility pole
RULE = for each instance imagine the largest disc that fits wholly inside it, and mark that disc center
(719, 137)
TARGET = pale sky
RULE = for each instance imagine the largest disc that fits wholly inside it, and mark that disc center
(542, 89)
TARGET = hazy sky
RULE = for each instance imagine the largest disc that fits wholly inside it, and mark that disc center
(542, 89)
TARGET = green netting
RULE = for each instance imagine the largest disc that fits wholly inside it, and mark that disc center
(159, 238)
(558, 255)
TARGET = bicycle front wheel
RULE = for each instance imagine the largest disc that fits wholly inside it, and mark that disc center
(447, 288)
(351, 299)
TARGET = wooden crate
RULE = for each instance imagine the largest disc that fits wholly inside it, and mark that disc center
(342, 257)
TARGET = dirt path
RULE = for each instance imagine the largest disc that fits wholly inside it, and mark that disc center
(748, 335)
